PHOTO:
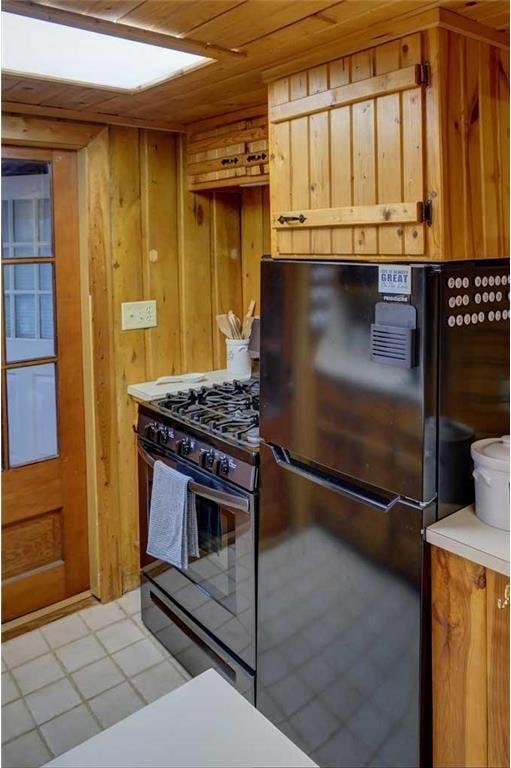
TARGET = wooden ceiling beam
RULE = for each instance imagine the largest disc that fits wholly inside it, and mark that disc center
(34, 131)
(34, 10)
(18, 108)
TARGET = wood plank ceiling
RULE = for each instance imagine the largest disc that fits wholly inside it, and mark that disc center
(267, 32)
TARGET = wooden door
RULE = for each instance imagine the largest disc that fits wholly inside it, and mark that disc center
(346, 156)
(44, 506)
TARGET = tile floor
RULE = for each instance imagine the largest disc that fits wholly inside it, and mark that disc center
(67, 681)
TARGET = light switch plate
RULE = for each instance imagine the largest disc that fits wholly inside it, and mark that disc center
(138, 314)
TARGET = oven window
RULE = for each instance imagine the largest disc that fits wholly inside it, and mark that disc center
(215, 567)
(222, 547)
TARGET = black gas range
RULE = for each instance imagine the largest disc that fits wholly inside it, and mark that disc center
(205, 614)
(215, 427)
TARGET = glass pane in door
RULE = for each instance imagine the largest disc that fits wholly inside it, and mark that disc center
(28, 294)
(5, 228)
(28, 311)
(22, 221)
(26, 209)
(31, 413)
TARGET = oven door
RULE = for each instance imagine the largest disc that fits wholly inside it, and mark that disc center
(218, 589)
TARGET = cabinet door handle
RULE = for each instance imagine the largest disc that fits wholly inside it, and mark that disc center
(230, 160)
(260, 156)
(504, 602)
(288, 219)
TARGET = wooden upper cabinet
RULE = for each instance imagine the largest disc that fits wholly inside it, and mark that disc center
(399, 151)
(232, 154)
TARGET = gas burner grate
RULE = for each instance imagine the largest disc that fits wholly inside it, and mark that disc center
(230, 409)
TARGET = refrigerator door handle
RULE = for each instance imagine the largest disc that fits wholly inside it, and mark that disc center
(351, 491)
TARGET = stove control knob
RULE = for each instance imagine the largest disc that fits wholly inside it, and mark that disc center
(164, 434)
(185, 446)
(207, 458)
(223, 466)
(151, 430)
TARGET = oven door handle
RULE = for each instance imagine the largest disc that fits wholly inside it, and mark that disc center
(211, 494)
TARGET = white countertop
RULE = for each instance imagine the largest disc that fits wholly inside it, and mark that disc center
(465, 535)
(203, 723)
(149, 390)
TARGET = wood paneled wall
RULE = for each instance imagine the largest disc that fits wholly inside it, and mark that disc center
(474, 126)
(256, 237)
(197, 254)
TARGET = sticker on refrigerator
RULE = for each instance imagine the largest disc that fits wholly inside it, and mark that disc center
(394, 278)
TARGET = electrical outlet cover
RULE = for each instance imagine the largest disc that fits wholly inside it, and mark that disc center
(138, 314)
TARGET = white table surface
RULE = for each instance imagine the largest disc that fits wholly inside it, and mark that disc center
(203, 723)
(465, 535)
(149, 390)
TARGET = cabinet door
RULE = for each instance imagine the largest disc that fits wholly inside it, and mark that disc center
(497, 622)
(458, 626)
(346, 155)
(470, 663)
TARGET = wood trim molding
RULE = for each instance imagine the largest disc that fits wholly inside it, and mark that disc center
(43, 616)
(24, 153)
(118, 29)
(33, 131)
(359, 215)
(88, 374)
(36, 110)
(106, 523)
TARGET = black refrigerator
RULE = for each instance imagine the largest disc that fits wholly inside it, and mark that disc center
(375, 379)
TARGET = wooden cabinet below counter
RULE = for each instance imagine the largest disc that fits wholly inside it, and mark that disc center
(397, 151)
(470, 662)
(231, 154)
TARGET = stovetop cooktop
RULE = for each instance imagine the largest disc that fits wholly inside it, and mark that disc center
(229, 410)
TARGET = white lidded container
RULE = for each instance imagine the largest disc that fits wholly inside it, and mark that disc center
(491, 475)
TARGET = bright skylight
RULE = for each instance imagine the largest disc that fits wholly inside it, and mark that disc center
(42, 49)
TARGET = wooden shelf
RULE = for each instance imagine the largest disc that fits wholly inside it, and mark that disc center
(243, 182)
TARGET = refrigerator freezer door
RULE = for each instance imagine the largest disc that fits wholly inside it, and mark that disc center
(339, 621)
(325, 395)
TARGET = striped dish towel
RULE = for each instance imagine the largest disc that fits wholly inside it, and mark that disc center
(173, 535)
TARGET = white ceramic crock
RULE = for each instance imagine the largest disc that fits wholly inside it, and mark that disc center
(491, 475)
(238, 358)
